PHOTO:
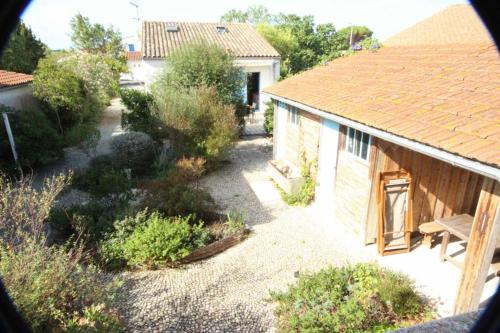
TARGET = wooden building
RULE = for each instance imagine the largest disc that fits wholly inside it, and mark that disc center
(424, 110)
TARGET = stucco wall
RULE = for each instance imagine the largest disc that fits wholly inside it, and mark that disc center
(267, 70)
(19, 97)
(147, 70)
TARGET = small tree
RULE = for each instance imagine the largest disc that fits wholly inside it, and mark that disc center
(96, 39)
(22, 52)
(202, 64)
(73, 90)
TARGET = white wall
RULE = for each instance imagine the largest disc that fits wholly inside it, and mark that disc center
(18, 97)
(147, 70)
(269, 73)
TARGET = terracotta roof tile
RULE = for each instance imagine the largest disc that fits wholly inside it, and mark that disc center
(134, 55)
(12, 79)
(458, 24)
(420, 93)
(240, 39)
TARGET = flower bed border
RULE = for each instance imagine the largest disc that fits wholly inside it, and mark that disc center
(216, 247)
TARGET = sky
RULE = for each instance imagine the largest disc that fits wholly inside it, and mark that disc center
(49, 19)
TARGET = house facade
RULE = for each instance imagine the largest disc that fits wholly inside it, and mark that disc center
(16, 90)
(424, 110)
(256, 57)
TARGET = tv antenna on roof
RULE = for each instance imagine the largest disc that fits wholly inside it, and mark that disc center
(136, 11)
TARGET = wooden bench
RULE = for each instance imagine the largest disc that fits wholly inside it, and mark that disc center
(429, 230)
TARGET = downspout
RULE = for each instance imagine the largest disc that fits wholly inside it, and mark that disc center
(455, 160)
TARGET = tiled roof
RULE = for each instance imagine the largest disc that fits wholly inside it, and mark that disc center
(447, 97)
(12, 79)
(134, 55)
(239, 38)
(457, 24)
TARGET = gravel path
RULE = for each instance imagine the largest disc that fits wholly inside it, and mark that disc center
(229, 292)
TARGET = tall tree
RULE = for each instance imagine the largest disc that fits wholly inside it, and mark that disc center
(359, 32)
(23, 51)
(254, 15)
(94, 38)
(301, 43)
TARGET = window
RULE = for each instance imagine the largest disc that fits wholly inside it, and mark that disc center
(294, 117)
(357, 143)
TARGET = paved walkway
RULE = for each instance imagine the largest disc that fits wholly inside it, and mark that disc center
(254, 125)
(229, 292)
(75, 158)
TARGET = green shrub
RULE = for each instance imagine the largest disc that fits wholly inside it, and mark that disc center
(305, 195)
(200, 64)
(36, 140)
(55, 293)
(102, 179)
(198, 124)
(63, 94)
(111, 253)
(155, 242)
(134, 150)
(361, 298)
(141, 115)
(92, 220)
(235, 222)
(176, 198)
(269, 117)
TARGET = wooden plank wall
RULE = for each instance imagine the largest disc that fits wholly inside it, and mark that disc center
(439, 189)
(302, 139)
(480, 248)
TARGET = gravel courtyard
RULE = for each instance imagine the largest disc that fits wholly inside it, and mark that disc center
(229, 292)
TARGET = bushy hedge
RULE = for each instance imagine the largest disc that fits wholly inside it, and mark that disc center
(73, 89)
(201, 64)
(361, 298)
(37, 142)
(134, 150)
(198, 123)
(177, 193)
(141, 116)
(55, 293)
(102, 178)
(51, 286)
(153, 241)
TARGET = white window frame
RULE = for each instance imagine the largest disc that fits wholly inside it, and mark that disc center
(294, 115)
(355, 143)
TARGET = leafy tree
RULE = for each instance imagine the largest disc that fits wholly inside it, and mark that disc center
(96, 39)
(301, 43)
(22, 52)
(359, 32)
(254, 15)
(73, 90)
(202, 64)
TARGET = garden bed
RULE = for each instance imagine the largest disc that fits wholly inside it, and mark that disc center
(286, 176)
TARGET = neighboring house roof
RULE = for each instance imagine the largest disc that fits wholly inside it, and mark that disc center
(445, 96)
(11, 79)
(134, 55)
(240, 39)
(457, 24)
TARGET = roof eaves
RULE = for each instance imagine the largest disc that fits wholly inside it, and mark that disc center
(485, 169)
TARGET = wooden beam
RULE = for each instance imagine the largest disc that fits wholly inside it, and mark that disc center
(480, 248)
